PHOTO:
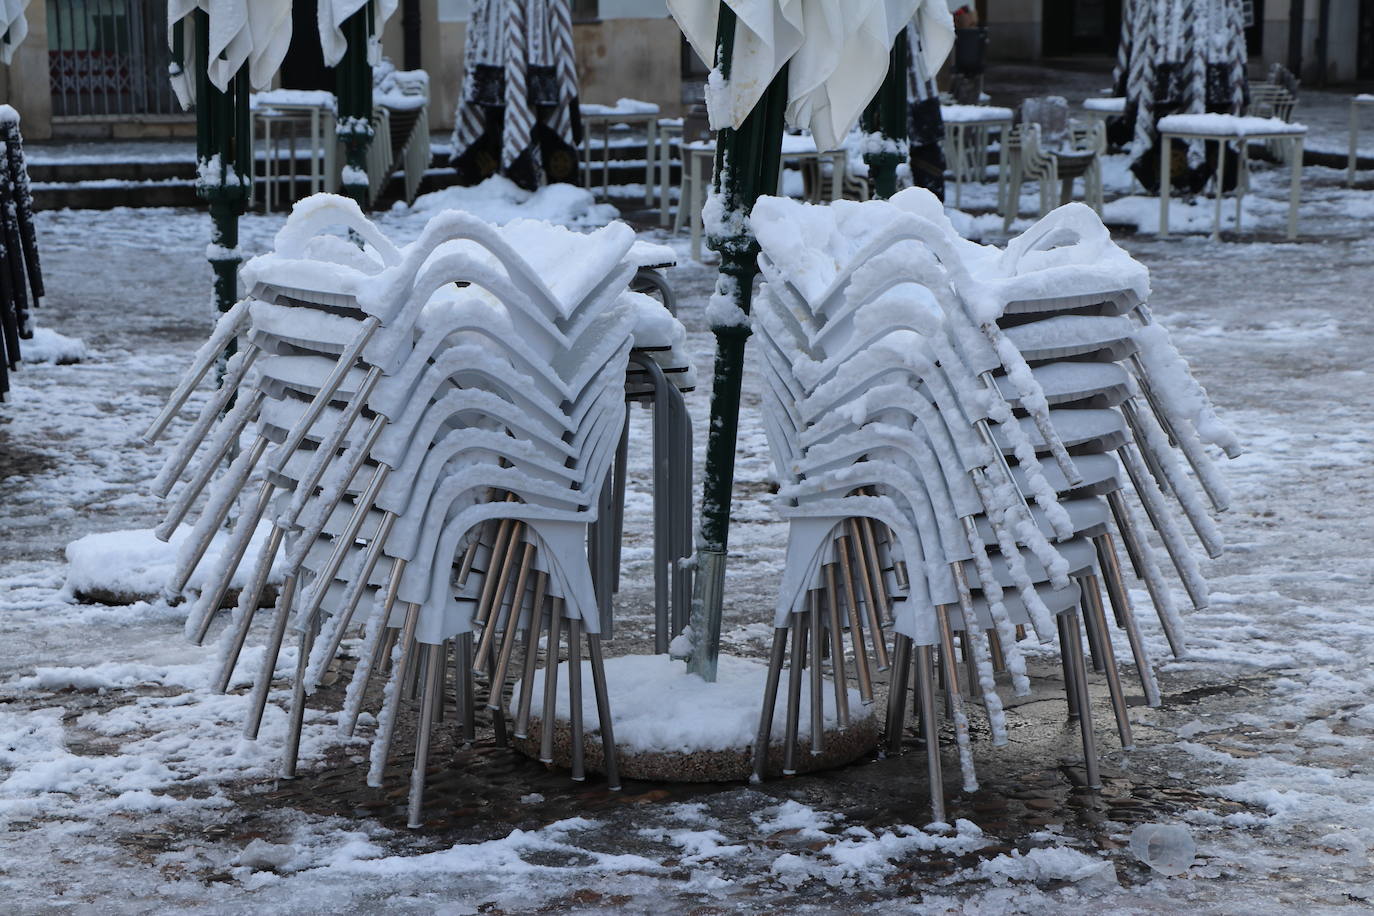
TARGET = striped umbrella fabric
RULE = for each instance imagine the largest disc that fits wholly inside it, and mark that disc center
(518, 110)
(1180, 57)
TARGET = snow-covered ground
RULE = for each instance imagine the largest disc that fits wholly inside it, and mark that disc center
(125, 784)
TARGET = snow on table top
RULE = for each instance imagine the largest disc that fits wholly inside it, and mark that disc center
(792, 144)
(968, 114)
(1115, 104)
(312, 98)
(659, 707)
(1364, 97)
(1230, 125)
(621, 107)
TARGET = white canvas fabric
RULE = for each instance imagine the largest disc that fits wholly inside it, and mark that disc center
(836, 52)
(333, 14)
(14, 28)
(269, 21)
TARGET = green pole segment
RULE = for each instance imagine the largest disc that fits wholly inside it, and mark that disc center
(354, 75)
(885, 122)
(224, 160)
(747, 163)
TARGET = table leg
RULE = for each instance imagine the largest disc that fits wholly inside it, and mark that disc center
(839, 165)
(1354, 142)
(1242, 180)
(1164, 181)
(665, 175)
(698, 199)
(1221, 184)
(650, 147)
(1295, 187)
(959, 165)
(314, 151)
(606, 162)
(588, 127)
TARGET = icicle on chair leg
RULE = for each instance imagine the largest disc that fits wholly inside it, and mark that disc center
(956, 700)
(404, 656)
(1148, 567)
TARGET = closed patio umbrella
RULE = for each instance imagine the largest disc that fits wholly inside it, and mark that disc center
(1184, 57)
(815, 64)
(14, 28)
(518, 114)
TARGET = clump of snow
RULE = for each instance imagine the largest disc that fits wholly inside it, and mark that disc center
(1053, 863)
(261, 855)
(862, 858)
(660, 707)
(121, 567)
(499, 200)
(48, 346)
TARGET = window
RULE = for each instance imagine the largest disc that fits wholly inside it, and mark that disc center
(582, 10)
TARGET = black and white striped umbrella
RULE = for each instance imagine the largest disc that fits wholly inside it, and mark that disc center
(518, 110)
(1178, 57)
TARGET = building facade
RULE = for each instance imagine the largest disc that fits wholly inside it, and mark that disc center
(98, 68)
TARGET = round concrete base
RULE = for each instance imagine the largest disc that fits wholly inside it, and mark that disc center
(841, 746)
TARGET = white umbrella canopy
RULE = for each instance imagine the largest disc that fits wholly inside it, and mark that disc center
(333, 14)
(14, 28)
(257, 33)
(837, 52)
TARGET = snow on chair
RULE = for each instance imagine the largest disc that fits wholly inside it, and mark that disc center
(438, 406)
(1050, 149)
(895, 390)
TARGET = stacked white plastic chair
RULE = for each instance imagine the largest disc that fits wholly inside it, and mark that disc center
(902, 416)
(435, 427)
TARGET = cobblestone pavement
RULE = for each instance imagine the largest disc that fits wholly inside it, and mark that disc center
(1262, 747)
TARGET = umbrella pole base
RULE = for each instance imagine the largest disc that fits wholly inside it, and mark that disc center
(708, 599)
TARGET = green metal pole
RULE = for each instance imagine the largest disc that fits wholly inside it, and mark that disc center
(224, 153)
(747, 163)
(354, 76)
(885, 122)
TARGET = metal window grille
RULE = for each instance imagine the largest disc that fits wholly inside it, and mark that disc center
(109, 57)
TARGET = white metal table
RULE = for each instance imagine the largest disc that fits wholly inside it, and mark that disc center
(291, 107)
(1222, 129)
(698, 160)
(1355, 104)
(669, 131)
(965, 123)
(1105, 108)
(626, 111)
